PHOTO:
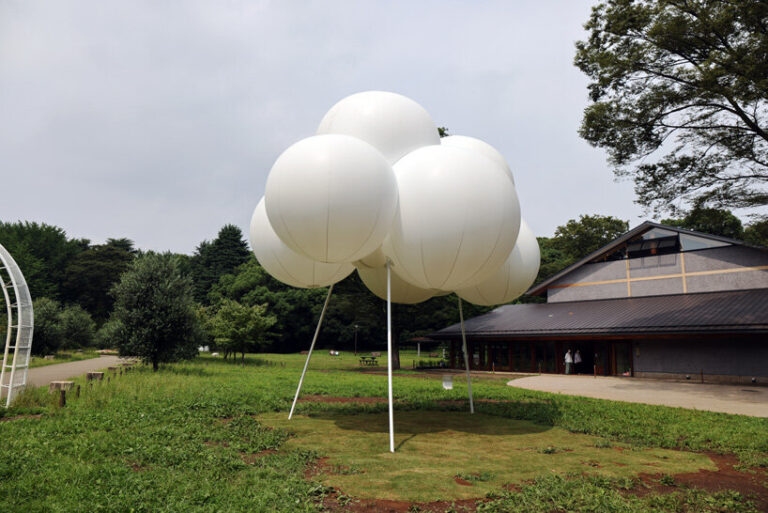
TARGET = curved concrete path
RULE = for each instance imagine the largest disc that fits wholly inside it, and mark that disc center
(41, 376)
(738, 399)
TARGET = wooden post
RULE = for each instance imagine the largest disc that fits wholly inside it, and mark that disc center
(62, 398)
(77, 392)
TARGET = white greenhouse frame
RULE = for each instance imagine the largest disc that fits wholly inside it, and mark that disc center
(21, 320)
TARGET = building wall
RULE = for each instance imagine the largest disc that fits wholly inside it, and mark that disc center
(732, 357)
(707, 270)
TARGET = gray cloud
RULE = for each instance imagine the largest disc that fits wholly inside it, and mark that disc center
(159, 121)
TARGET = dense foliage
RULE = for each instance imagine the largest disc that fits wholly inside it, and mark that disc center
(155, 309)
(684, 83)
(216, 258)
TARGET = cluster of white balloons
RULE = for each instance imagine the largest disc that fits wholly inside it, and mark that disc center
(378, 183)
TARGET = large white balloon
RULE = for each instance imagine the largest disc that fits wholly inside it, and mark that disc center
(394, 124)
(375, 278)
(473, 144)
(513, 278)
(457, 220)
(285, 264)
(331, 198)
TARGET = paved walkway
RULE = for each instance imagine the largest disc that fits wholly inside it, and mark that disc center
(41, 376)
(739, 399)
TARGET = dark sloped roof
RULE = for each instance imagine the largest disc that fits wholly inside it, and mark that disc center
(744, 311)
(631, 234)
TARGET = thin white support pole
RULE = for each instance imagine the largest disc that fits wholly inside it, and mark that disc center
(466, 358)
(311, 347)
(389, 358)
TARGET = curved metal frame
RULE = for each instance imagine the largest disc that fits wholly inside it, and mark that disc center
(23, 322)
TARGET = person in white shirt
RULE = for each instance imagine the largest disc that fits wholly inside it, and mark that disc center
(577, 361)
(568, 362)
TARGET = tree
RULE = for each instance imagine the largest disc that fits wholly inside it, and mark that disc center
(155, 307)
(710, 220)
(42, 252)
(296, 310)
(578, 238)
(212, 260)
(241, 328)
(90, 275)
(108, 334)
(48, 334)
(678, 90)
(77, 327)
(757, 233)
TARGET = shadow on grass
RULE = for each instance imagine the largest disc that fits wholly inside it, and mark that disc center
(430, 421)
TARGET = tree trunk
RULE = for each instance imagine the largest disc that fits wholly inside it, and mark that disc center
(395, 352)
(395, 338)
(154, 365)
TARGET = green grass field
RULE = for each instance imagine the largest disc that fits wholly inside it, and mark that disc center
(212, 436)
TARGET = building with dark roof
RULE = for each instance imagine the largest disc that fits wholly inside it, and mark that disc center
(658, 301)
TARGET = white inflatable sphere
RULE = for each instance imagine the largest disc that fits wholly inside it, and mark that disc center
(375, 259)
(284, 264)
(513, 278)
(457, 220)
(478, 145)
(331, 198)
(393, 123)
(375, 278)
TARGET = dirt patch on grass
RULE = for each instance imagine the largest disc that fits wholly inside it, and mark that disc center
(336, 501)
(253, 457)
(726, 477)
(19, 417)
(462, 481)
(211, 443)
(336, 399)
(137, 467)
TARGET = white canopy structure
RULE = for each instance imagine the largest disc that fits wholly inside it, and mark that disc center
(20, 326)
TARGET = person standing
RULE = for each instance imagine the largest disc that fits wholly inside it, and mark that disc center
(577, 361)
(568, 362)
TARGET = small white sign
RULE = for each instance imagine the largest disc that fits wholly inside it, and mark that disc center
(448, 382)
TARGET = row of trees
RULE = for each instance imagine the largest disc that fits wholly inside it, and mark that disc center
(165, 306)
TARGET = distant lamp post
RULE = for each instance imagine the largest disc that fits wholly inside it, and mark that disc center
(356, 326)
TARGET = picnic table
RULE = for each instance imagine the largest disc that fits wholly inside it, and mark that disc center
(368, 361)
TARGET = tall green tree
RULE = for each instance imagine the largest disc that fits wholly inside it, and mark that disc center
(214, 259)
(679, 92)
(296, 310)
(90, 275)
(240, 327)
(757, 233)
(48, 333)
(710, 220)
(579, 237)
(42, 252)
(77, 327)
(155, 309)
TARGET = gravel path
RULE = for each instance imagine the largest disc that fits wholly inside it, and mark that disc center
(739, 399)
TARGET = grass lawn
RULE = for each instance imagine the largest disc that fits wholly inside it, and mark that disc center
(456, 455)
(210, 435)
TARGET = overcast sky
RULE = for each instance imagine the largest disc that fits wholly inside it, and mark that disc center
(159, 120)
